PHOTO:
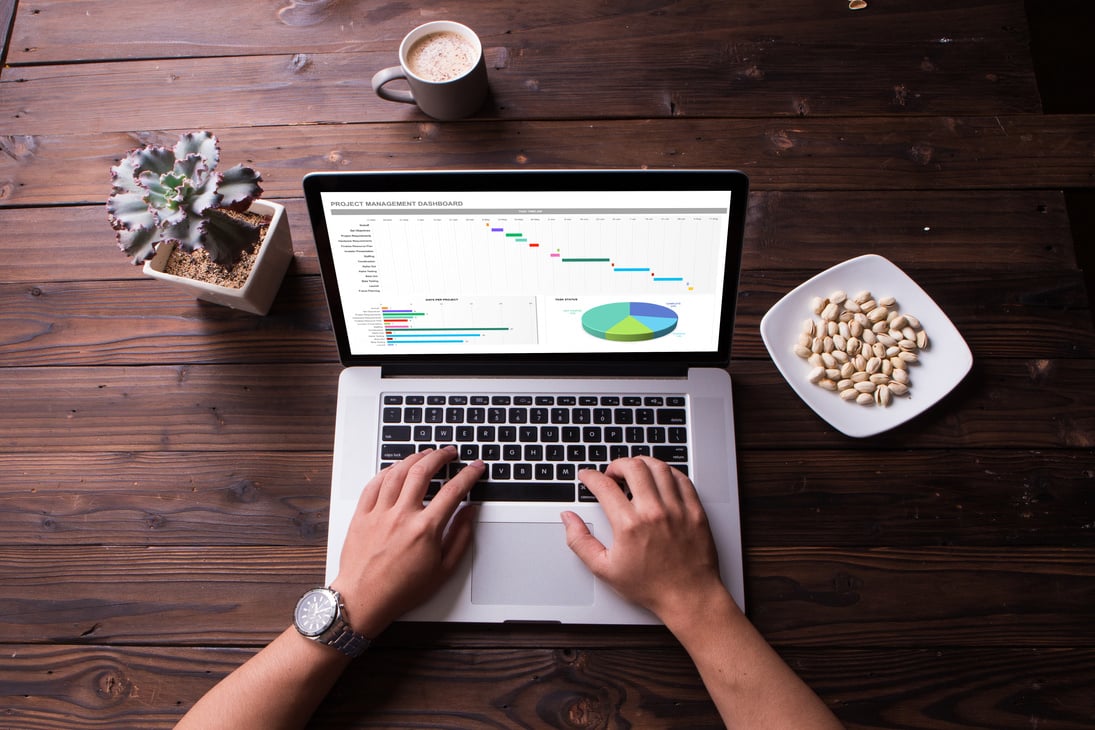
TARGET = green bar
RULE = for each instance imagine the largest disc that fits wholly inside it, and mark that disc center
(586, 261)
(400, 315)
(514, 235)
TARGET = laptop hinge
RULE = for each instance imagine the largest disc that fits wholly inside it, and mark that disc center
(525, 369)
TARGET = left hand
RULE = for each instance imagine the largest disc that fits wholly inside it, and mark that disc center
(397, 550)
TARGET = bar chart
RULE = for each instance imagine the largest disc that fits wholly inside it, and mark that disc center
(478, 321)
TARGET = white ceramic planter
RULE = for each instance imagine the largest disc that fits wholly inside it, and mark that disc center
(262, 285)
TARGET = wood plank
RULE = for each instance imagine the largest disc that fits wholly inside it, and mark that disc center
(279, 407)
(159, 407)
(1018, 230)
(83, 246)
(165, 498)
(917, 498)
(710, 75)
(996, 312)
(123, 688)
(921, 498)
(52, 32)
(822, 597)
(124, 322)
(1000, 404)
(1026, 230)
(907, 153)
(133, 322)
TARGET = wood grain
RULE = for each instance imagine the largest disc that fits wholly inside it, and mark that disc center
(1024, 229)
(870, 153)
(123, 322)
(921, 498)
(721, 71)
(802, 597)
(230, 407)
(133, 687)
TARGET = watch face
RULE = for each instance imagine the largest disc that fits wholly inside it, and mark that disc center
(315, 612)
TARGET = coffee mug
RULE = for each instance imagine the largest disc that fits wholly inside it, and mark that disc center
(443, 64)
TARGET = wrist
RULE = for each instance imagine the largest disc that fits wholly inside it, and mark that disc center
(366, 619)
(694, 611)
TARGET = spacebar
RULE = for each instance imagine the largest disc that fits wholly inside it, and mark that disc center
(523, 492)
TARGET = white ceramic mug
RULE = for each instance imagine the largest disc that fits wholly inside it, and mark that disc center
(452, 98)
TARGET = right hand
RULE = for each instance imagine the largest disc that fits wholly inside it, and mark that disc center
(662, 556)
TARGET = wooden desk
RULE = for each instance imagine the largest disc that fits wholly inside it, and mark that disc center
(164, 464)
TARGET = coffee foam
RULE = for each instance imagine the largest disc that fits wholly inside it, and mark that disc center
(441, 56)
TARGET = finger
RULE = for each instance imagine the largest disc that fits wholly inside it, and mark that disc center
(393, 478)
(458, 538)
(454, 491)
(607, 491)
(637, 475)
(581, 541)
(686, 488)
(367, 499)
(416, 483)
(690, 498)
(669, 489)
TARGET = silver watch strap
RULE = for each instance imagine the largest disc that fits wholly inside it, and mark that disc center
(347, 641)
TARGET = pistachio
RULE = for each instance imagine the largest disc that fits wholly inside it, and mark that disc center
(861, 348)
(882, 396)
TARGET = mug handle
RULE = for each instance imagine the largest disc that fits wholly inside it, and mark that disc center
(382, 77)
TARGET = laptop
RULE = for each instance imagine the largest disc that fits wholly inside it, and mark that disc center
(544, 321)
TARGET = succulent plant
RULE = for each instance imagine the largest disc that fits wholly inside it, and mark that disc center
(176, 195)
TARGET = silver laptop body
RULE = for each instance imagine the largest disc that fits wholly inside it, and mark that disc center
(563, 298)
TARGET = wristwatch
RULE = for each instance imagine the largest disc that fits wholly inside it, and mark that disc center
(319, 616)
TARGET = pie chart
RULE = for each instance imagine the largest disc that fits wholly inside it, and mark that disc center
(629, 321)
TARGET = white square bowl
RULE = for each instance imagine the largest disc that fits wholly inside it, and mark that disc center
(942, 365)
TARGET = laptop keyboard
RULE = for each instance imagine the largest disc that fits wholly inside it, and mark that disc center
(534, 445)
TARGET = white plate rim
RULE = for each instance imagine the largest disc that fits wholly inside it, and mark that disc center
(781, 324)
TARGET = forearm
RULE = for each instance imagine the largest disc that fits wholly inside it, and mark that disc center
(749, 683)
(278, 688)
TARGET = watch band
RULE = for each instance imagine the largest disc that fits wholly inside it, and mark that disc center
(342, 637)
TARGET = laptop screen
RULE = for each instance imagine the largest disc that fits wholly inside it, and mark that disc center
(541, 265)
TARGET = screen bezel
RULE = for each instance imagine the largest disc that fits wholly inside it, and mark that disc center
(532, 180)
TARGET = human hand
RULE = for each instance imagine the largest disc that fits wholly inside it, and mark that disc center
(663, 556)
(397, 550)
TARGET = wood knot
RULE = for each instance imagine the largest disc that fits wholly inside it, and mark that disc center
(19, 147)
(299, 62)
(921, 153)
(567, 709)
(244, 491)
(112, 687)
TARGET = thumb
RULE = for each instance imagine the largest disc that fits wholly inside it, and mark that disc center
(581, 541)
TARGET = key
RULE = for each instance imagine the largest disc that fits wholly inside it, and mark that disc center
(395, 433)
(671, 454)
(530, 491)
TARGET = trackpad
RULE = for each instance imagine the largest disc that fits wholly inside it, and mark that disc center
(528, 564)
